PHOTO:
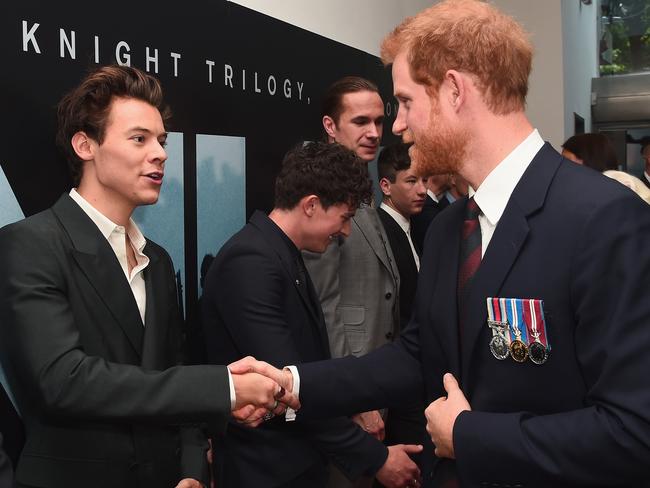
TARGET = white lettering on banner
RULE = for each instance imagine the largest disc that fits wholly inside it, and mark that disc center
(153, 59)
(126, 59)
(70, 44)
(227, 75)
(235, 77)
(97, 49)
(30, 37)
(210, 66)
(176, 57)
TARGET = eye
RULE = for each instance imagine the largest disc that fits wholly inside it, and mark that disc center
(163, 143)
(138, 139)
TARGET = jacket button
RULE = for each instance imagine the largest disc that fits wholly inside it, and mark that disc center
(388, 295)
(389, 335)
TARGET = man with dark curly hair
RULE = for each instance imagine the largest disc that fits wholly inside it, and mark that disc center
(259, 300)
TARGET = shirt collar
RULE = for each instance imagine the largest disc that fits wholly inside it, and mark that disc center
(495, 191)
(433, 196)
(403, 222)
(105, 225)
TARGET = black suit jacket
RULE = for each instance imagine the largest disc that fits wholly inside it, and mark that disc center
(255, 303)
(99, 393)
(408, 271)
(420, 222)
(583, 417)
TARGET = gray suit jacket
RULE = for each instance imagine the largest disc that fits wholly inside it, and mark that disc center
(357, 282)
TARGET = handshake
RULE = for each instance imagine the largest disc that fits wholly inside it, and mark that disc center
(261, 391)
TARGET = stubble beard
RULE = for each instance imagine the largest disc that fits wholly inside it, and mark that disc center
(440, 150)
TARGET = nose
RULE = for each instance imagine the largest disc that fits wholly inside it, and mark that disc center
(374, 130)
(159, 154)
(399, 126)
(420, 187)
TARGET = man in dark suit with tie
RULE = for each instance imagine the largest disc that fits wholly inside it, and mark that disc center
(404, 193)
(435, 202)
(529, 336)
(90, 330)
(259, 300)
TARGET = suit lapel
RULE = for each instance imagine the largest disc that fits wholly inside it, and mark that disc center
(367, 221)
(445, 291)
(98, 262)
(154, 338)
(505, 246)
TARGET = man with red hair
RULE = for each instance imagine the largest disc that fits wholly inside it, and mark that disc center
(529, 332)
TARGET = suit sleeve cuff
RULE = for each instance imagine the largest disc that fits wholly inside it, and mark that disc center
(290, 414)
(233, 398)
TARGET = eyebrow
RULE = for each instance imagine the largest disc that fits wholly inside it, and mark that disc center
(148, 131)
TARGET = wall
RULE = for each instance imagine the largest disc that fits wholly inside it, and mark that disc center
(359, 23)
(562, 31)
(580, 47)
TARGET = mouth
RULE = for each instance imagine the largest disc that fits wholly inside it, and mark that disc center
(155, 176)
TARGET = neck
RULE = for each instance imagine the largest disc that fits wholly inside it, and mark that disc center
(107, 204)
(497, 137)
(389, 203)
(287, 222)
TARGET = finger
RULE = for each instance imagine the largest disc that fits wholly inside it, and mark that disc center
(412, 448)
(450, 384)
(244, 365)
(243, 413)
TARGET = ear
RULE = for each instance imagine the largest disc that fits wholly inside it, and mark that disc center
(456, 86)
(384, 184)
(83, 146)
(329, 125)
(308, 204)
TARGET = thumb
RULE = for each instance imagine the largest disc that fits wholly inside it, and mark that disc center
(242, 366)
(450, 384)
(411, 448)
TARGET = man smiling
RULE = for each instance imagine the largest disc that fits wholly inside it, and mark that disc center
(90, 329)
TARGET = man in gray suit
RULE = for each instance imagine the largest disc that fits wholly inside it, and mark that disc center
(357, 278)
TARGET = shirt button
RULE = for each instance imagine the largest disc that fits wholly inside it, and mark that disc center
(388, 295)
(389, 335)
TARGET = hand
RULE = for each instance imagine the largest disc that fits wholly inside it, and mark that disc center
(372, 423)
(249, 364)
(256, 394)
(399, 470)
(189, 483)
(441, 416)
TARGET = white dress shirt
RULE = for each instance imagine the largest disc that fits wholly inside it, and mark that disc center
(495, 191)
(405, 224)
(116, 236)
(433, 196)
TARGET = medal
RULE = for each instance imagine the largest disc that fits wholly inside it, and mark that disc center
(499, 341)
(518, 349)
(499, 347)
(537, 350)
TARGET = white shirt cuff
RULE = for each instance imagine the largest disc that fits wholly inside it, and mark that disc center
(290, 414)
(233, 398)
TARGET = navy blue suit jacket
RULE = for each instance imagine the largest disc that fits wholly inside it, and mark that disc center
(581, 243)
(255, 304)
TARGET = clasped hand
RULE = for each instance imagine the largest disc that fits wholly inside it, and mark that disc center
(441, 416)
(261, 391)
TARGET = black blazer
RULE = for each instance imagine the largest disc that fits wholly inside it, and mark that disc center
(420, 222)
(255, 303)
(580, 419)
(408, 271)
(99, 394)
